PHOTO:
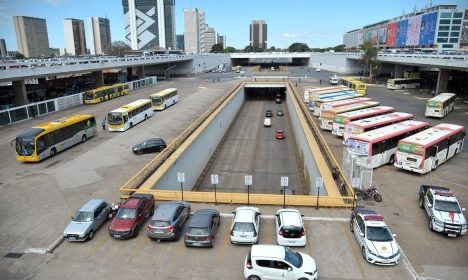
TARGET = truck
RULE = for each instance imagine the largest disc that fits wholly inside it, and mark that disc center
(443, 209)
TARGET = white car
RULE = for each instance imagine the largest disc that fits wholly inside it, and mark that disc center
(290, 229)
(245, 225)
(278, 262)
(378, 245)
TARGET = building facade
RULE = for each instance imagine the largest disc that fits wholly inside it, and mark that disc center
(149, 24)
(3, 49)
(437, 28)
(464, 33)
(210, 38)
(99, 35)
(31, 36)
(195, 31)
(75, 41)
(221, 39)
(180, 42)
(258, 34)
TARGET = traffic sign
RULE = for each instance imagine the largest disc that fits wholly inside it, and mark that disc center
(181, 177)
(284, 181)
(248, 180)
(356, 183)
(214, 179)
(319, 182)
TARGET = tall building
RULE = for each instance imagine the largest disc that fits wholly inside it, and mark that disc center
(3, 49)
(75, 41)
(210, 38)
(99, 35)
(31, 36)
(194, 30)
(258, 34)
(221, 40)
(149, 24)
(180, 42)
(464, 33)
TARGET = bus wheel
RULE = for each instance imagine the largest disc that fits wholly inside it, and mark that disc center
(131, 124)
(146, 116)
(83, 139)
(392, 160)
(435, 165)
(53, 152)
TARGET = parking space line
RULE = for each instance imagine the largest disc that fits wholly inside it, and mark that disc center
(98, 246)
(407, 264)
(267, 235)
(353, 250)
(309, 242)
(178, 249)
(138, 248)
(226, 241)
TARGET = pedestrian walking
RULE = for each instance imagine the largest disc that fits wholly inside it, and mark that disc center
(320, 81)
(104, 123)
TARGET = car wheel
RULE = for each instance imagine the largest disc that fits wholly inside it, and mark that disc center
(146, 117)
(421, 202)
(364, 254)
(431, 226)
(53, 152)
(392, 160)
(83, 139)
(351, 226)
(131, 125)
(90, 235)
(152, 211)
(139, 152)
(254, 277)
(135, 232)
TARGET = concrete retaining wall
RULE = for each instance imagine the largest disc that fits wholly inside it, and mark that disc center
(335, 63)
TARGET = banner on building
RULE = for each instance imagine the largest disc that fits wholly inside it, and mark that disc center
(391, 34)
(414, 27)
(402, 29)
(382, 35)
(427, 29)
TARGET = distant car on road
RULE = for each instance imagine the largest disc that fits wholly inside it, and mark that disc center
(202, 228)
(168, 220)
(278, 100)
(279, 134)
(279, 113)
(149, 146)
(87, 220)
(317, 70)
(269, 113)
(267, 122)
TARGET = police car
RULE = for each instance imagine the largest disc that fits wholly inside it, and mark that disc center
(377, 243)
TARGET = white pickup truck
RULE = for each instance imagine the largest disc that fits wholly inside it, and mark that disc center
(443, 209)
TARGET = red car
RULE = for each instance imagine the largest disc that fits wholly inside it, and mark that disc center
(279, 134)
(131, 216)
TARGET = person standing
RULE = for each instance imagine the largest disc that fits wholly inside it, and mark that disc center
(104, 123)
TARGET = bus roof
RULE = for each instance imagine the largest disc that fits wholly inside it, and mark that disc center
(330, 95)
(353, 107)
(388, 131)
(131, 106)
(108, 87)
(163, 92)
(348, 98)
(325, 88)
(53, 125)
(434, 134)
(365, 111)
(404, 79)
(442, 97)
(382, 119)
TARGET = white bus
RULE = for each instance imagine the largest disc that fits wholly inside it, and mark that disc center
(403, 83)
(381, 144)
(163, 99)
(364, 125)
(322, 90)
(340, 120)
(129, 115)
(428, 149)
(327, 116)
(337, 101)
(440, 105)
(345, 94)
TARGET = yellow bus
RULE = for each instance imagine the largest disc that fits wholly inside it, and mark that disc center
(163, 99)
(47, 139)
(129, 115)
(104, 93)
(237, 68)
(356, 85)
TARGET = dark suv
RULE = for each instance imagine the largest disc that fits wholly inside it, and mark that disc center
(168, 220)
(149, 145)
(202, 228)
(269, 113)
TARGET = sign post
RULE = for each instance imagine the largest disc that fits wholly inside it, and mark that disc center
(214, 181)
(284, 184)
(248, 183)
(181, 180)
(318, 185)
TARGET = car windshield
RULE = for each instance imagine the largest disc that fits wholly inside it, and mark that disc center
(24, 146)
(381, 234)
(81, 216)
(245, 227)
(446, 206)
(197, 231)
(114, 118)
(293, 257)
(157, 100)
(161, 224)
(126, 213)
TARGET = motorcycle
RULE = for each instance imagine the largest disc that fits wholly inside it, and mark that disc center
(369, 193)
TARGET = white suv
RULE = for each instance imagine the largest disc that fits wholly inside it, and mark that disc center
(245, 225)
(290, 229)
(278, 262)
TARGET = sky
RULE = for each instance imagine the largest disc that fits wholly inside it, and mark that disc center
(317, 23)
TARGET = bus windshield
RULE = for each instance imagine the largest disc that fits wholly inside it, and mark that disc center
(24, 146)
(446, 206)
(157, 100)
(114, 118)
(357, 146)
(89, 95)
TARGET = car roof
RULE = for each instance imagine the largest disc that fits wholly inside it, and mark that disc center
(271, 251)
(290, 217)
(91, 205)
(279, 130)
(201, 218)
(245, 214)
(165, 211)
(131, 203)
(153, 139)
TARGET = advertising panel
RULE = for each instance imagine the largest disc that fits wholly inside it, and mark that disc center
(373, 37)
(360, 39)
(414, 27)
(428, 28)
(402, 29)
(391, 34)
(382, 35)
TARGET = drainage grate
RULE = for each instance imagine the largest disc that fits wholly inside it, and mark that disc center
(13, 255)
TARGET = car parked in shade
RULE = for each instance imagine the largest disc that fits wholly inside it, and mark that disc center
(280, 134)
(245, 225)
(87, 220)
(268, 113)
(168, 220)
(202, 228)
(131, 216)
(151, 145)
(290, 230)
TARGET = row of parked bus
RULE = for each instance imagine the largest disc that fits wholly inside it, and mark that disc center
(383, 135)
(47, 139)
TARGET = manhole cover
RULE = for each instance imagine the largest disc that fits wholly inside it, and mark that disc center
(13, 255)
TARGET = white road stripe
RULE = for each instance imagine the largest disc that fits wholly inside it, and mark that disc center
(407, 264)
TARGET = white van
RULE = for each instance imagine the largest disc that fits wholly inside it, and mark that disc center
(267, 122)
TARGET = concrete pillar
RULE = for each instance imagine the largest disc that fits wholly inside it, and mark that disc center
(98, 78)
(442, 80)
(398, 71)
(19, 90)
(141, 72)
(129, 74)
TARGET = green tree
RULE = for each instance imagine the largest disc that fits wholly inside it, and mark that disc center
(253, 49)
(272, 49)
(118, 48)
(230, 50)
(339, 48)
(369, 56)
(298, 47)
(216, 48)
(19, 55)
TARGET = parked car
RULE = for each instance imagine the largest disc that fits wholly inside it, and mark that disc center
(279, 134)
(87, 220)
(131, 216)
(202, 228)
(269, 113)
(290, 229)
(378, 245)
(279, 113)
(267, 122)
(149, 146)
(278, 262)
(245, 225)
(168, 220)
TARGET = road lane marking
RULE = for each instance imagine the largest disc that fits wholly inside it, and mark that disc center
(98, 246)
(178, 249)
(138, 248)
(309, 242)
(226, 241)
(353, 250)
(407, 264)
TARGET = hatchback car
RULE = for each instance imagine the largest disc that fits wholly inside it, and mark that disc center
(278, 262)
(87, 220)
(149, 146)
(279, 113)
(378, 245)
(245, 225)
(290, 229)
(168, 220)
(279, 134)
(278, 100)
(202, 228)
(269, 113)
